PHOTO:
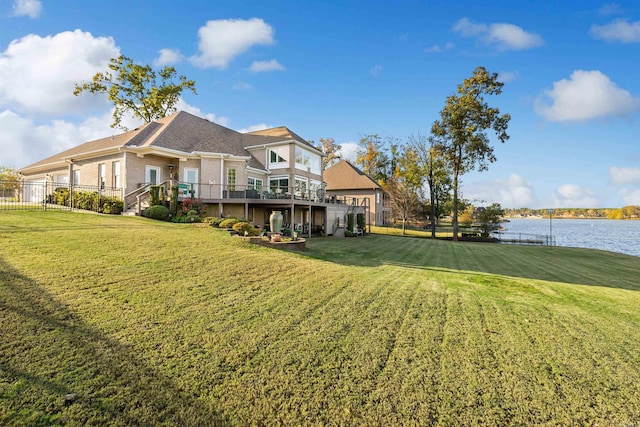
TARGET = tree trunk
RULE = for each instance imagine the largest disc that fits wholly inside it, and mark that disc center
(455, 206)
(433, 204)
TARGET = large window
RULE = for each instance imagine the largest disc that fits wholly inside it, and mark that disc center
(76, 177)
(301, 187)
(116, 175)
(254, 183)
(191, 177)
(231, 179)
(102, 175)
(306, 160)
(279, 185)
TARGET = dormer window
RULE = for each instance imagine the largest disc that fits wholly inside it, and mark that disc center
(279, 157)
(276, 158)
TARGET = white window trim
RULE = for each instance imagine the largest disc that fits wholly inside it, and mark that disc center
(185, 173)
(147, 174)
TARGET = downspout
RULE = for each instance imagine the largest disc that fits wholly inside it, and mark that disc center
(221, 176)
(71, 183)
(220, 204)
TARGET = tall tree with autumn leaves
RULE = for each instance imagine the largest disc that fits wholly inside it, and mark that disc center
(461, 132)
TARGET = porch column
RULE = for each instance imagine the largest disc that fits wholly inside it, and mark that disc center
(310, 218)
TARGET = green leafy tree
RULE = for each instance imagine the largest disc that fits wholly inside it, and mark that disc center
(490, 219)
(461, 131)
(138, 89)
(332, 150)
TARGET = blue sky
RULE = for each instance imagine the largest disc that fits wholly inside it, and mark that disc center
(349, 69)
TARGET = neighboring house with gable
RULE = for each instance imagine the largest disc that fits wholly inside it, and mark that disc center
(236, 174)
(345, 180)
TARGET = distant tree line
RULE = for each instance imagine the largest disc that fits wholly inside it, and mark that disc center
(625, 212)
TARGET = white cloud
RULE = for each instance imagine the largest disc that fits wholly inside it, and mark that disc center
(376, 71)
(167, 57)
(437, 48)
(585, 95)
(30, 8)
(183, 106)
(222, 40)
(618, 30)
(610, 9)
(23, 141)
(349, 151)
(503, 36)
(265, 66)
(512, 192)
(253, 128)
(624, 175)
(507, 76)
(630, 197)
(574, 196)
(244, 86)
(62, 60)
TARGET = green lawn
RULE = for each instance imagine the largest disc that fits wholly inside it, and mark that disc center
(151, 323)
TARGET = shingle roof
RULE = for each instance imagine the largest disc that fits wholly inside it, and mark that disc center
(345, 176)
(139, 135)
(183, 132)
(280, 133)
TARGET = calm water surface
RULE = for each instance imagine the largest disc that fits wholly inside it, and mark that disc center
(608, 235)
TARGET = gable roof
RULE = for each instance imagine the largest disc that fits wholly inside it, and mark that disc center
(279, 134)
(345, 176)
(182, 132)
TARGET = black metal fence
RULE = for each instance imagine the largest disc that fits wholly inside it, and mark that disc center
(45, 195)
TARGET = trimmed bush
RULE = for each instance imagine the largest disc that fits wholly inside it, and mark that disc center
(350, 222)
(112, 205)
(213, 220)
(157, 212)
(241, 227)
(228, 223)
(191, 204)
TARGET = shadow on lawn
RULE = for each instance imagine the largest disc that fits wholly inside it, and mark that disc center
(57, 369)
(557, 264)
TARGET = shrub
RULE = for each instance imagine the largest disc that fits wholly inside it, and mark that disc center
(348, 233)
(213, 220)
(112, 205)
(228, 222)
(241, 227)
(360, 221)
(350, 222)
(156, 193)
(157, 212)
(191, 204)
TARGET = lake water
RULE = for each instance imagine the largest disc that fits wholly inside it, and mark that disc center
(608, 235)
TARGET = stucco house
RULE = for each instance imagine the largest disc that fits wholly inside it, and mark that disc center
(236, 174)
(347, 181)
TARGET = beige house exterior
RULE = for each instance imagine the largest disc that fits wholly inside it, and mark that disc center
(346, 180)
(236, 174)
